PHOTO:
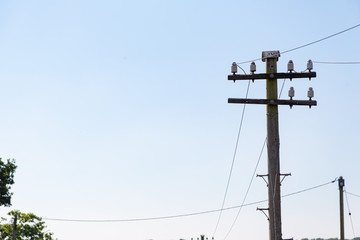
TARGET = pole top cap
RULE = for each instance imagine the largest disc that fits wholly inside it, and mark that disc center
(341, 181)
(270, 54)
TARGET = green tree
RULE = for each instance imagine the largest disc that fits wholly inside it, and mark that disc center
(28, 227)
(7, 170)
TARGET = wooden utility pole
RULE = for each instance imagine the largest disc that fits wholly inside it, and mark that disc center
(341, 194)
(202, 237)
(15, 227)
(273, 142)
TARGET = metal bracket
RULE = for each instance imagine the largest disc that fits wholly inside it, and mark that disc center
(263, 211)
(284, 176)
(263, 177)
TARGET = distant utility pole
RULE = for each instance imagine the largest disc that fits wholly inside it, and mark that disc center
(202, 237)
(15, 227)
(341, 194)
(273, 143)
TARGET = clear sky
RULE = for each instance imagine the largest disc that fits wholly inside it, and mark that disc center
(118, 110)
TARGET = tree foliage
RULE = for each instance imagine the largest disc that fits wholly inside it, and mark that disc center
(28, 227)
(7, 170)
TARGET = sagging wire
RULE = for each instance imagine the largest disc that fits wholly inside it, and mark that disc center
(311, 43)
(247, 191)
(355, 195)
(232, 225)
(340, 63)
(234, 156)
(180, 215)
(348, 206)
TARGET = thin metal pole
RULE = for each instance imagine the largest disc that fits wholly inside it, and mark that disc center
(341, 195)
(273, 144)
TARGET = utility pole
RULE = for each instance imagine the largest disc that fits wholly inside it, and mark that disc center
(202, 237)
(15, 227)
(341, 194)
(273, 143)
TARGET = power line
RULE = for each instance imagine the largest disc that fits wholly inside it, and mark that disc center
(249, 61)
(252, 178)
(322, 39)
(247, 191)
(241, 68)
(308, 44)
(308, 189)
(233, 160)
(282, 88)
(353, 194)
(180, 215)
(351, 221)
(343, 63)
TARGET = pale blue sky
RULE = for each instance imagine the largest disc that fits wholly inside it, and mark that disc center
(118, 109)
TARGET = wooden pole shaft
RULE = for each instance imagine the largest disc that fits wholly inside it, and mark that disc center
(273, 144)
(341, 196)
(14, 228)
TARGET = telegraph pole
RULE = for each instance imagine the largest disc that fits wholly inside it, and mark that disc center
(341, 194)
(15, 227)
(202, 237)
(273, 143)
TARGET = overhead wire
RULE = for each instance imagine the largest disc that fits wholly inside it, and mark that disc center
(247, 191)
(308, 189)
(355, 195)
(257, 59)
(308, 44)
(241, 68)
(299, 47)
(252, 178)
(348, 206)
(283, 52)
(233, 159)
(320, 40)
(179, 215)
(243, 204)
(287, 51)
(249, 61)
(340, 63)
(282, 87)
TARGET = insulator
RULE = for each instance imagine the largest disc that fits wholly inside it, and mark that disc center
(252, 67)
(234, 68)
(290, 66)
(309, 65)
(310, 93)
(291, 92)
